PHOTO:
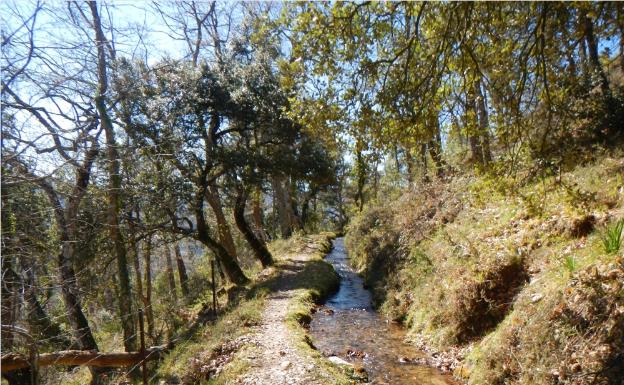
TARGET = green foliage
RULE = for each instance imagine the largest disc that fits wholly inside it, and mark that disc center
(612, 237)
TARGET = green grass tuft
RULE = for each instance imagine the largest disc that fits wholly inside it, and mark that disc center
(612, 238)
(570, 263)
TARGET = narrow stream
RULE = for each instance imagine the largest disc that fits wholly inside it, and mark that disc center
(348, 323)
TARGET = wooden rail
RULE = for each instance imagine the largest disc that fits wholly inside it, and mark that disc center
(13, 361)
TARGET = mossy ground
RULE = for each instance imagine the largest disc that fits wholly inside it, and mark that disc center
(496, 265)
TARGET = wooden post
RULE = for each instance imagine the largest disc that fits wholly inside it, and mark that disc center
(34, 365)
(142, 331)
(214, 288)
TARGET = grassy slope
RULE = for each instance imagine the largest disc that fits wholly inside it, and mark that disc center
(519, 278)
(192, 361)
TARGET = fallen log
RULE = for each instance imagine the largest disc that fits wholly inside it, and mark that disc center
(13, 361)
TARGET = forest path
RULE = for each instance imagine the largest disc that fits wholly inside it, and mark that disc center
(277, 358)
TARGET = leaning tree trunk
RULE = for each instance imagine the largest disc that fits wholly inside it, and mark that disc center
(66, 219)
(225, 235)
(257, 245)
(48, 329)
(69, 291)
(230, 267)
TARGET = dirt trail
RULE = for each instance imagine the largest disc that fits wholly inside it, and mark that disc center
(276, 358)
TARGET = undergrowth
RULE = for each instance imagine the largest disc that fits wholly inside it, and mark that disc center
(522, 273)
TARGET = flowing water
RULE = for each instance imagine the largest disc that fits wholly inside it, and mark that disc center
(348, 323)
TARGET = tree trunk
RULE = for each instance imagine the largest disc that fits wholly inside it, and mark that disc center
(126, 314)
(170, 276)
(69, 291)
(182, 275)
(66, 223)
(360, 167)
(484, 123)
(592, 50)
(282, 204)
(423, 162)
(232, 270)
(13, 361)
(397, 164)
(472, 128)
(435, 148)
(257, 214)
(305, 205)
(147, 300)
(291, 198)
(376, 178)
(409, 161)
(225, 235)
(47, 328)
(257, 245)
(135, 259)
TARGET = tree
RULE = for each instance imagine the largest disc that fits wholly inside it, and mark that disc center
(126, 314)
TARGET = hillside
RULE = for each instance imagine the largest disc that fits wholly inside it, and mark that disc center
(506, 282)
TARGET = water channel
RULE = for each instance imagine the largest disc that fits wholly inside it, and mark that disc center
(348, 327)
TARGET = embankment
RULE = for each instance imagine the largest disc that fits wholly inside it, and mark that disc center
(504, 281)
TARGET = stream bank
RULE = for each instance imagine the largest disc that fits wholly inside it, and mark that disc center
(347, 328)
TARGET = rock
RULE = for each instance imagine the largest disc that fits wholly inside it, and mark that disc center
(285, 365)
(339, 361)
(536, 298)
(356, 353)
